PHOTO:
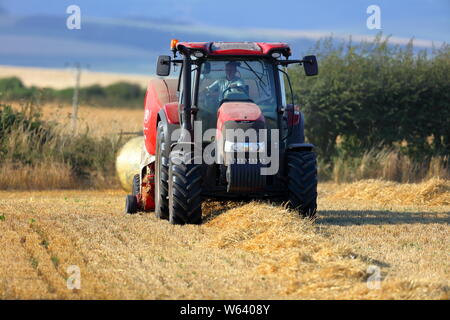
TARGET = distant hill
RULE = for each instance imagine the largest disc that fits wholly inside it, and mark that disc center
(65, 78)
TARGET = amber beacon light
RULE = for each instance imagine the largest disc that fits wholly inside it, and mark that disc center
(173, 44)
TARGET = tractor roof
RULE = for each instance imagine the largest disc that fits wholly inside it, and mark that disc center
(237, 48)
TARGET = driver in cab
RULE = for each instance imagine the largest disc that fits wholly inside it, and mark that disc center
(231, 81)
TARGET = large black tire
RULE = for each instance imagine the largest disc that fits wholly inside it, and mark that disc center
(161, 175)
(136, 189)
(302, 182)
(185, 188)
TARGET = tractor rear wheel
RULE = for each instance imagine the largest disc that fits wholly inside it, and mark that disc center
(185, 190)
(161, 175)
(302, 182)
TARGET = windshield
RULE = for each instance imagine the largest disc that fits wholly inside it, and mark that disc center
(236, 80)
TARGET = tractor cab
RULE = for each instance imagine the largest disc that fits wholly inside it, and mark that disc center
(224, 81)
(235, 71)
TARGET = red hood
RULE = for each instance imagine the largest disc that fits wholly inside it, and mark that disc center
(237, 111)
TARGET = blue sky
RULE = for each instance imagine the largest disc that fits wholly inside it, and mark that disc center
(128, 35)
(423, 19)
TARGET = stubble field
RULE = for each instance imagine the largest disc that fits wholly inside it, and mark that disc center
(252, 250)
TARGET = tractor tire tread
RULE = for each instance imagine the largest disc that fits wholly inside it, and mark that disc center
(184, 190)
(302, 182)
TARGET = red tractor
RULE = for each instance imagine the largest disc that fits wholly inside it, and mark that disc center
(225, 127)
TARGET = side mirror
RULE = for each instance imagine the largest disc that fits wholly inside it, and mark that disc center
(310, 65)
(163, 66)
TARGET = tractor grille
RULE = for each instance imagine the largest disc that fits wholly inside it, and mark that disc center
(245, 178)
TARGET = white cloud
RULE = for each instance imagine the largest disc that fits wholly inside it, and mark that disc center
(256, 33)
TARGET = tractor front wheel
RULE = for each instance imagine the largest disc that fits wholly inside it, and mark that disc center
(161, 175)
(184, 189)
(302, 182)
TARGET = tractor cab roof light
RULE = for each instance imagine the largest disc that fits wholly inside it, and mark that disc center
(198, 54)
(224, 46)
(276, 55)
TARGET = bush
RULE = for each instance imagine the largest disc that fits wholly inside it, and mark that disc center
(13, 89)
(26, 140)
(11, 84)
(124, 91)
(374, 96)
(121, 94)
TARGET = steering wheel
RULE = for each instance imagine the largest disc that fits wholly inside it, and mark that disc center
(240, 88)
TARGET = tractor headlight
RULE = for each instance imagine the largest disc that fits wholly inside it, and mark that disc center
(244, 146)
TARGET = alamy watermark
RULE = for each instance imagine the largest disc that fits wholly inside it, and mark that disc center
(374, 20)
(230, 146)
(74, 280)
(73, 21)
(374, 280)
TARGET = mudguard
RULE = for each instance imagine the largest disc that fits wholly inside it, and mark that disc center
(297, 134)
(167, 116)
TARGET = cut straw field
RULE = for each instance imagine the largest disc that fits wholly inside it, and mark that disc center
(97, 121)
(252, 250)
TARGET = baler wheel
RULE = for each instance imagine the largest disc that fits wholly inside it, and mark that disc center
(185, 188)
(302, 182)
(131, 204)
